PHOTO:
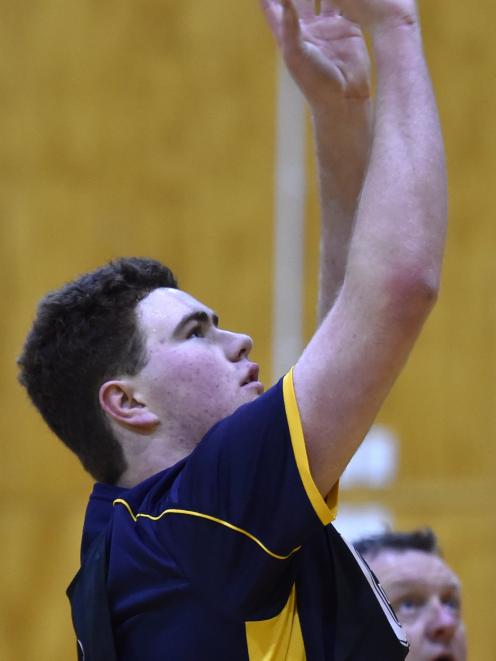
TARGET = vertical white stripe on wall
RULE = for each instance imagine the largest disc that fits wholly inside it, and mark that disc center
(290, 183)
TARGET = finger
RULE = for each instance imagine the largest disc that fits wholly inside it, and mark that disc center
(283, 21)
(328, 8)
(305, 8)
(273, 13)
(290, 23)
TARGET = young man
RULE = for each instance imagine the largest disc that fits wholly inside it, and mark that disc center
(424, 591)
(207, 536)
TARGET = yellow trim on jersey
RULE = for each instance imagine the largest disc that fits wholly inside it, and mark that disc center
(140, 515)
(326, 511)
(277, 639)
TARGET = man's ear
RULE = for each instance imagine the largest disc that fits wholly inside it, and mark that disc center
(118, 401)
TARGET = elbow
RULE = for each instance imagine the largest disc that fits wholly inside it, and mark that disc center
(413, 291)
(402, 291)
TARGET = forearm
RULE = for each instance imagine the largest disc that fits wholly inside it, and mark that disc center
(342, 137)
(401, 218)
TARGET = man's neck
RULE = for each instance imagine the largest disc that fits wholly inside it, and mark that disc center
(141, 466)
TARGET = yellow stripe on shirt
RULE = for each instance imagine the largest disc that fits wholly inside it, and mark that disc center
(156, 517)
(326, 511)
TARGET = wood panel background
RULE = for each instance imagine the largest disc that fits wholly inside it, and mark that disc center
(147, 128)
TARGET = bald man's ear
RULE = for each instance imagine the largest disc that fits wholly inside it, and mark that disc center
(118, 401)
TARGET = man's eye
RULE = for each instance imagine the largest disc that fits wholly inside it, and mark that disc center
(409, 605)
(197, 331)
(452, 602)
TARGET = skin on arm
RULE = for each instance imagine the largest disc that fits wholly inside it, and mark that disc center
(395, 252)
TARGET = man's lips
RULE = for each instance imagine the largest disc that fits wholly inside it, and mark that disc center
(444, 656)
(251, 378)
(256, 385)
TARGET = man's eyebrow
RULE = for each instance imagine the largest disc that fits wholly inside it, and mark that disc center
(411, 584)
(199, 316)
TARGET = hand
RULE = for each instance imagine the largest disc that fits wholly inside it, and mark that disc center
(325, 53)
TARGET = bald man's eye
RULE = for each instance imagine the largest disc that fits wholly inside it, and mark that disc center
(409, 605)
(452, 601)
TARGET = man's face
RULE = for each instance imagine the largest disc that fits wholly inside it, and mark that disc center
(196, 373)
(425, 595)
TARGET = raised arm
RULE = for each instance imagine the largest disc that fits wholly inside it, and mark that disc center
(395, 253)
(327, 57)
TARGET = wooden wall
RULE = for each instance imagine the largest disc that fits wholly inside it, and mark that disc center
(147, 128)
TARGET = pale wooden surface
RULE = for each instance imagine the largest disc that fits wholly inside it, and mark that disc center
(147, 128)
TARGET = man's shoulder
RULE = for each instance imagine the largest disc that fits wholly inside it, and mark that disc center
(150, 494)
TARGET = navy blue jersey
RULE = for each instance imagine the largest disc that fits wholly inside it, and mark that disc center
(228, 554)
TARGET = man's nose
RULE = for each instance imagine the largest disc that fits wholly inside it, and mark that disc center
(238, 345)
(443, 623)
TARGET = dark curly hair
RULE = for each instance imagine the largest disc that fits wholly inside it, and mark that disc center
(84, 334)
(422, 539)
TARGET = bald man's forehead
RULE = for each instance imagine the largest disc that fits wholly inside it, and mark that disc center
(411, 567)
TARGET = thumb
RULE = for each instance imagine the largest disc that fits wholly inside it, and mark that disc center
(290, 34)
(291, 23)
